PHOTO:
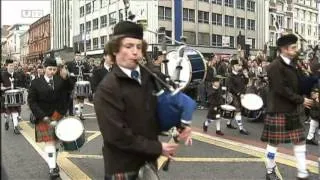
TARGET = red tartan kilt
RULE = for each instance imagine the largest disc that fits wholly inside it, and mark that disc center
(44, 132)
(275, 132)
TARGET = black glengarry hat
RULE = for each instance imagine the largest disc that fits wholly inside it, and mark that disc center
(9, 61)
(50, 61)
(287, 40)
(128, 29)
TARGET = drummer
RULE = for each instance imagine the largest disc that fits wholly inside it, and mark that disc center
(10, 80)
(215, 101)
(47, 102)
(236, 84)
(76, 67)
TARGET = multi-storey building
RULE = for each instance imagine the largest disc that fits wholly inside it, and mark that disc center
(13, 40)
(305, 20)
(24, 48)
(39, 39)
(210, 26)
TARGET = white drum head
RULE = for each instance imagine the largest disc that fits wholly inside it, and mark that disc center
(228, 107)
(82, 82)
(69, 129)
(14, 91)
(252, 102)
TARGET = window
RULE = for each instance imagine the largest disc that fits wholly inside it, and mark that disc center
(88, 44)
(240, 4)
(296, 27)
(309, 30)
(251, 5)
(88, 8)
(94, 5)
(112, 18)
(241, 23)
(253, 43)
(217, 2)
(228, 3)
(216, 19)
(251, 24)
(231, 42)
(88, 26)
(103, 3)
(203, 38)
(81, 28)
(229, 21)
(95, 23)
(103, 40)
(81, 11)
(95, 43)
(191, 37)
(216, 40)
(188, 14)
(103, 21)
(203, 17)
(204, 0)
(164, 13)
(121, 15)
(302, 29)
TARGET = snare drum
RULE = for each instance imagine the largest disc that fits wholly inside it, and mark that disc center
(194, 67)
(251, 106)
(70, 131)
(82, 89)
(227, 111)
(14, 98)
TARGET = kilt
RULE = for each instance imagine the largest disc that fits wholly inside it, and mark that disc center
(275, 132)
(44, 132)
(122, 176)
(236, 103)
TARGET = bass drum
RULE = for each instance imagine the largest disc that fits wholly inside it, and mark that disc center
(193, 67)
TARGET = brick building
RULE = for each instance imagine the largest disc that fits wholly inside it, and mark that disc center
(39, 39)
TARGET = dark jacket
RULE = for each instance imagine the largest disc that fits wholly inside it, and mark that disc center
(283, 96)
(73, 67)
(126, 114)
(215, 100)
(97, 76)
(43, 101)
(19, 79)
(237, 84)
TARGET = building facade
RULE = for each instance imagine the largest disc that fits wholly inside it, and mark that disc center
(209, 26)
(305, 21)
(39, 39)
(24, 48)
(61, 24)
(13, 40)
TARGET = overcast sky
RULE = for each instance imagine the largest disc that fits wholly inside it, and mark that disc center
(20, 11)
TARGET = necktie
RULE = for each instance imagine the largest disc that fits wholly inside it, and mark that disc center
(135, 75)
(51, 83)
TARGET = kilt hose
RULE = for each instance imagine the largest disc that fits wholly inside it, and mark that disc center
(44, 132)
(275, 132)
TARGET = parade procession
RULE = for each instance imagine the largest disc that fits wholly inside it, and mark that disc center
(125, 90)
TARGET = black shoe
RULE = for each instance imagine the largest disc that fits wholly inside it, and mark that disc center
(244, 132)
(272, 175)
(219, 133)
(6, 126)
(230, 126)
(54, 174)
(312, 141)
(16, 130)
(204, 127)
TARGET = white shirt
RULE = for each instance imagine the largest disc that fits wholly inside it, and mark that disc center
(128, 72)
(48, 79)
(286, 60)
(107, 67)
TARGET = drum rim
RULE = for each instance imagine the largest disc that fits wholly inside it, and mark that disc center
(251, 94)
(13, 91)
(69, 117)
(228, 105)
(190, 73)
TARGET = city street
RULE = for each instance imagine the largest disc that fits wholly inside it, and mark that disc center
(232, 157)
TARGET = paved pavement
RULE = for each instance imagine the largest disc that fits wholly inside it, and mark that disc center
(231, 157)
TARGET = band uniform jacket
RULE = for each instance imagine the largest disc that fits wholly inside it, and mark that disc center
(126, 114)
(97, 76)
(237, 85)
(283, 94)
(215, 100)
(73, 67)
(19, 80)
(43, 100)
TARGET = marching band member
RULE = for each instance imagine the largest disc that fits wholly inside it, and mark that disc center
(74, 68)
(282, 123)
(215, 101)
(11, 79)
(315, 117)
(47, 102)
(236, 84)
(101, 72)
(126, 109)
